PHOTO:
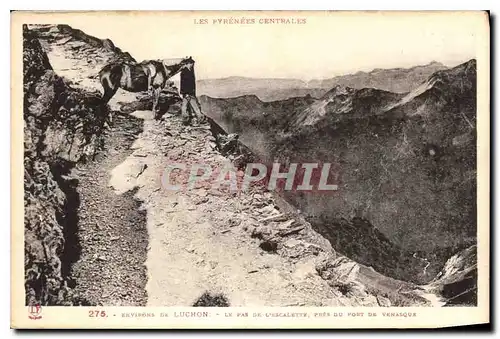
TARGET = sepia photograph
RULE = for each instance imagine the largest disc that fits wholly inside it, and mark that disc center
(298, 166)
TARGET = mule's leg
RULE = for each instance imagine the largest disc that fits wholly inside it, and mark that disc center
(149, 82)
(158, 91)
(108, 94)
(110, 85)
(153, 99)
(151, 93)
(184, 110)
(156, 97)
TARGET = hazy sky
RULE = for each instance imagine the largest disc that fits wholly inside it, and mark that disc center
(328, 44)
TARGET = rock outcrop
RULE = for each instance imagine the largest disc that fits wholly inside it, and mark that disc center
(457, 281)
(62, 34)
(62, 126)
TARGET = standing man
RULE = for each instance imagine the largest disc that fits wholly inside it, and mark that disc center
(188, 93)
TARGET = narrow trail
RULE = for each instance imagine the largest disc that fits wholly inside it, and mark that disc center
(198, 239)
(111, 229)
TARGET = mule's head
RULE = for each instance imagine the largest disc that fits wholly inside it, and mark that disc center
(178, 61)
(176, 65)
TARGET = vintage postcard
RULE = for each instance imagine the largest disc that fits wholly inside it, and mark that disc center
(250, 169)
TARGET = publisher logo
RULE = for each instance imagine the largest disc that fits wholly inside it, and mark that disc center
(35, 311)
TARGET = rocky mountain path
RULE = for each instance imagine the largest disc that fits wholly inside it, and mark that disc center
(112, 235)
(200, 239)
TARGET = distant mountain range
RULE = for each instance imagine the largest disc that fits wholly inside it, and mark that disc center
(397, 80)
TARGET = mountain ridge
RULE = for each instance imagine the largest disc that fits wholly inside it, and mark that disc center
(398, 80)
(410, 152)
(377, 69)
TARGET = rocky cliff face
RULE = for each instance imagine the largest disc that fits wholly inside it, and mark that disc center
(82, 42)
(457, 281)
(105, 45)
(342, 102)
(62, 126)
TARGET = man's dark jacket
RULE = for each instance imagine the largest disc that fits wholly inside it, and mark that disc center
(188, 82)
